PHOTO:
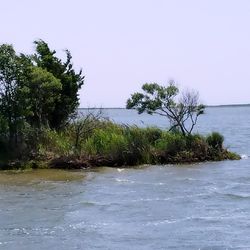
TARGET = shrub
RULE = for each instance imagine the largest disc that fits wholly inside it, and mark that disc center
(231, 156)
(138, 146)
(107, 143)
(153, 134)
(192, 140)
(198, 146)
(80, 130)
(127, 145)
(54, 142)
(215, 140)
(171, 143)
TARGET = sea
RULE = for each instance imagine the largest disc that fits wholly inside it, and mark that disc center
(202, 206)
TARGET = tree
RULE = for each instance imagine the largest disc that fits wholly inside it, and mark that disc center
(161, 100)
(71, 82)
(36, 91)
(44, 90)
(12, 106)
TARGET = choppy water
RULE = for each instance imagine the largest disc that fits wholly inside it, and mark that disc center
(200, 206)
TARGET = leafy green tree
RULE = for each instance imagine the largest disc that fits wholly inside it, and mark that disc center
(36, 91)
(12, 106)
(182, 114)
(71, 82)
(44, 91)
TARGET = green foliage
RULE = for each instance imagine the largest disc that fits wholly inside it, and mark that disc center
(54, 143)
(70, 80)
(231, 156)
(122, 145)
(44, 90)
(39, 94)
(156, 99)
(106, 140)
(110, 144)
(198, 145)
(153, 134)
(138, 145)
(215, 140)
(80, 129)
(12, 107)
(36, 92)
(171, 143)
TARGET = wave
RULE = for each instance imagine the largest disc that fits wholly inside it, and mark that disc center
(244, 157)
(212, 219)
(124, 180)
(235, 196)
(239, 196)
(120, 169)
(167, 221)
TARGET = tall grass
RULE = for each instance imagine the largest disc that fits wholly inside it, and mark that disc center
(55, 143)
(122, 145)
(101, 142)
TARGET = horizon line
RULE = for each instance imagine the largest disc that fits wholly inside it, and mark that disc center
(208, 106)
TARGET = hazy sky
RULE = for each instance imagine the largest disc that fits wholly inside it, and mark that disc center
(121, 44)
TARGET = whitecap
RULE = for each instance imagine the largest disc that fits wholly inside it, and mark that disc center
(244, 157)
(166, 221)
(159, 184)
(149, 199)
(79, 225)
(124, 180)
(120, 169)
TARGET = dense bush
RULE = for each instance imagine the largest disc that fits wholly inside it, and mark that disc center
(153, 134)
(215, 140)
(138, 145)
(54, 143)
(105, 142)
(122, 145)
(171, 143)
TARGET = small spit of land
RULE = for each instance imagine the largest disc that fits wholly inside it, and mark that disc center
(39, 129)
(93, 142)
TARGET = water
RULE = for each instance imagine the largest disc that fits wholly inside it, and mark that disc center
(201, 206)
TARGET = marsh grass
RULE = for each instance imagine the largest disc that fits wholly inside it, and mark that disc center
(104, 143)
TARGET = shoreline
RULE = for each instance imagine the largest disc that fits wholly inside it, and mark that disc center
(94, 143)
(81, 163)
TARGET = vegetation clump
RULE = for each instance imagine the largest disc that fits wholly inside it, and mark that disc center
(38, 93)
(114, 145)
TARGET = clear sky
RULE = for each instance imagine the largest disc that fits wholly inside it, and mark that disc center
(121, 44)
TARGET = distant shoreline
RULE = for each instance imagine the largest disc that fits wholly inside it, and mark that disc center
(228, 105)
(207, 106)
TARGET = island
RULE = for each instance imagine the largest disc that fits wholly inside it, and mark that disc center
(40, 127)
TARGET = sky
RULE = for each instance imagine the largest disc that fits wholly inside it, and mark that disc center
(121, 44)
